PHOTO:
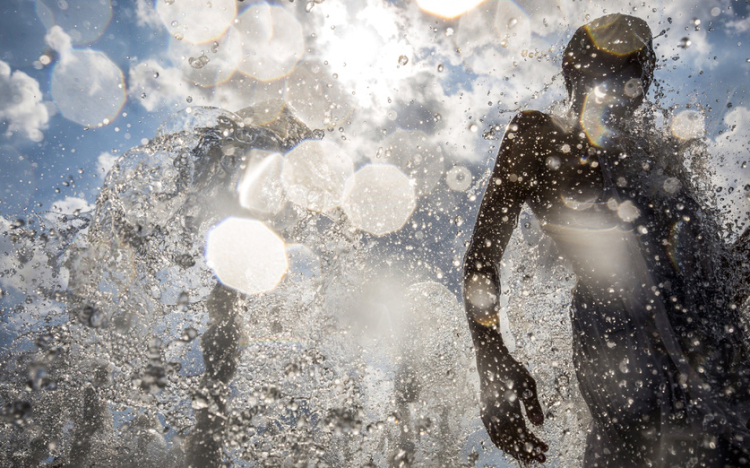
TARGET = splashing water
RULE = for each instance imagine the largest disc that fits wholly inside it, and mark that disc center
(143, 351)
(350, 352)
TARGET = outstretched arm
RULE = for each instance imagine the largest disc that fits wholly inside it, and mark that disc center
(503, 380)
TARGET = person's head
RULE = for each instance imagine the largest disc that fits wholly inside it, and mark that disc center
(612, 57)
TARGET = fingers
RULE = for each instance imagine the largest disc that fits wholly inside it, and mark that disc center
(511, 435)
(527, 448)
(531, 404)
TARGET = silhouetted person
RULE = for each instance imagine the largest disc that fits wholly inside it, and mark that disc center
(657, 344)
(221, 352)
(220, 343)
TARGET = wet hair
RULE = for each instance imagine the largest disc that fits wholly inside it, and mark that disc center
(606, 46)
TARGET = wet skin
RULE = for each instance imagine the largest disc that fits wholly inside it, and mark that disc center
(613, 217)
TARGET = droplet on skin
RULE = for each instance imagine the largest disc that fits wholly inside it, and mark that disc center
(671, 185)
(553, 162)
(633, 88)
(627, 211)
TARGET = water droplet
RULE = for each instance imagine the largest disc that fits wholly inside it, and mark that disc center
(16, 412)
(309, 6)
(183, 299)
(449, 32)
(189, 334)
(685, 42)
(671, 185)
(512, 23)
(458, 179)
(633, 88)
(473, 127)
(199, 402)
(97, 318)
(189, 99)
(553, 162)
(91, 316)
(403, 60)
(198, 62)
(440, 68)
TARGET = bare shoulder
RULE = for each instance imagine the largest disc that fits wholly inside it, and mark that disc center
(520, 148)
(529, 121)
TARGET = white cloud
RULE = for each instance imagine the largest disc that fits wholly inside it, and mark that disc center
(363, 41)
(59, 40)
(155, 87)
(104, 163)
(146, 14)
(21, 105)
(731, 150)
(68, 205)
(87, 86)
(740, 25)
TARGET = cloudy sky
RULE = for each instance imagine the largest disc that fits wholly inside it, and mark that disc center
(82, 81)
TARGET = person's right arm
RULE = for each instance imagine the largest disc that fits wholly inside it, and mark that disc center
(504, 382)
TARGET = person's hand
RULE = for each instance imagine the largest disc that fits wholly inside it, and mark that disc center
(502, 394)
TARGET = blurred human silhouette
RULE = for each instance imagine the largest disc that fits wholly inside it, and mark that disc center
(656, 337)
(220, 342)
